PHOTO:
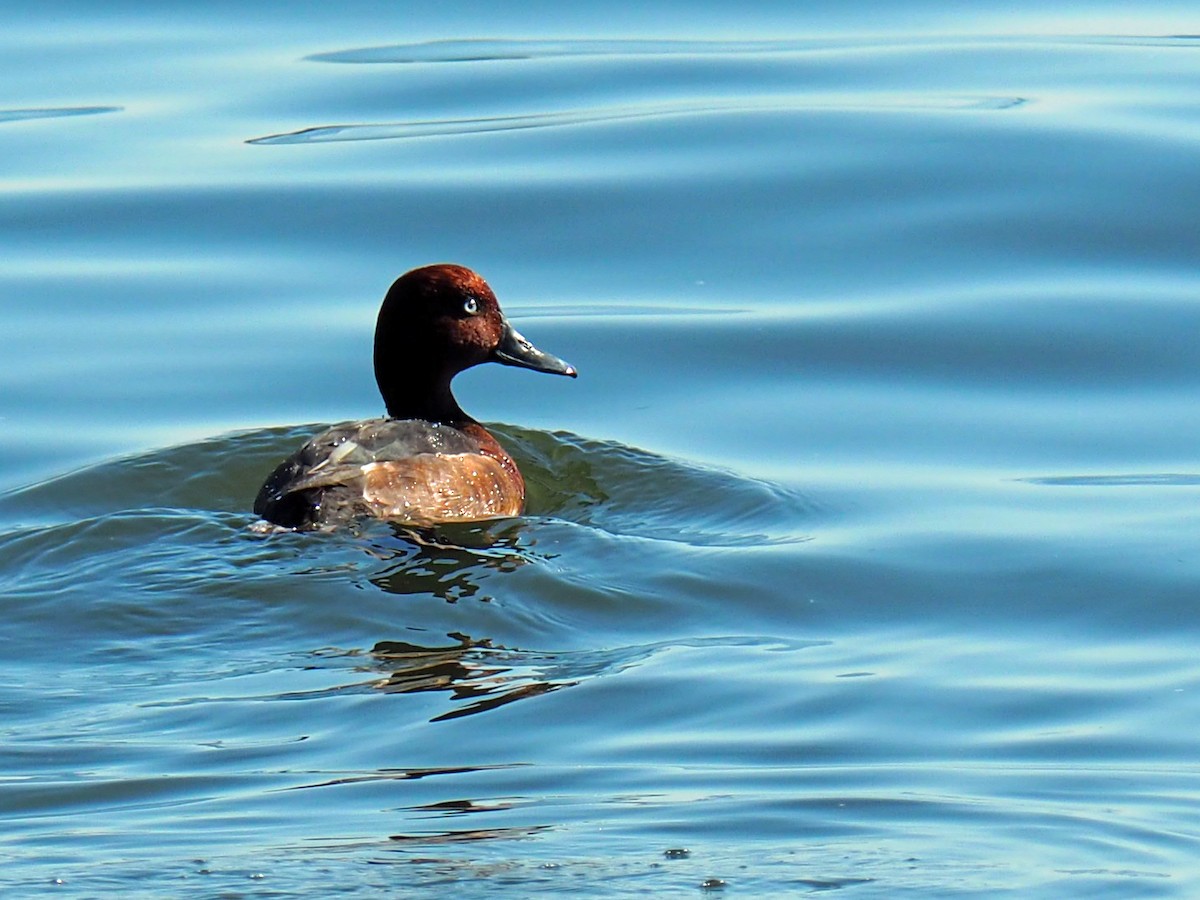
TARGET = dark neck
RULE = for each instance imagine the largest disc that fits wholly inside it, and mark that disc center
(414, 381)
(422, 397)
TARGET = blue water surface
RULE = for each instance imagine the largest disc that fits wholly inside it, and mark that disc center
(860, 557)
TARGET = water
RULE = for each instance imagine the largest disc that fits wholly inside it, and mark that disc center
(861, 555)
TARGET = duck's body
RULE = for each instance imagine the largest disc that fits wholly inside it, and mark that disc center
(428, 462)
(407, 470)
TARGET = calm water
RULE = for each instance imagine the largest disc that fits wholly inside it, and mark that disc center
(861, 556)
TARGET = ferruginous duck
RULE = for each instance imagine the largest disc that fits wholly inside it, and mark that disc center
(427, 461)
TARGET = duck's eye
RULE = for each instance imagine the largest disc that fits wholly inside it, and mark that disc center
(471, 306)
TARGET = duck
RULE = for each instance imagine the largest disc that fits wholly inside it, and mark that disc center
(426, 462)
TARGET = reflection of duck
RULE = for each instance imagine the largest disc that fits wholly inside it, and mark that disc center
(473, 670)
(428, 461)
(451, 563)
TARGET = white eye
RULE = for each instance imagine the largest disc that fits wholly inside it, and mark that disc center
(471, 306)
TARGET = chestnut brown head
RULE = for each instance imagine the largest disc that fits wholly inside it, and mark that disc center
(435, 322)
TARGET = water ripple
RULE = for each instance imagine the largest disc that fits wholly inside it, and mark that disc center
(623, 491)
(62, 112)
(1140, 479)
(500, 50)
(452, 51)
(883, 101)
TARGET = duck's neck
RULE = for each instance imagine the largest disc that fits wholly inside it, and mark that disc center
(423, 398)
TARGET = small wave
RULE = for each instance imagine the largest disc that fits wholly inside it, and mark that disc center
(1188, 41)
(437, 127)
(499, 50)
(62, 112)
(882, 102)
(458, 51)
(1164, 479)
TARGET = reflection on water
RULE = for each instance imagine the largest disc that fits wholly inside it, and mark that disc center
(469, 834)
(449, 562)
(474, 671)
(480, 676)
(396, 775)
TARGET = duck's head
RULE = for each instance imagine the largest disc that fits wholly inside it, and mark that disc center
(435, 322)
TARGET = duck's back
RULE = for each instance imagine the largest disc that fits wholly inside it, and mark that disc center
(406, 470)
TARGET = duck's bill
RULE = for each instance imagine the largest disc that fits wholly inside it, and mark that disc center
(515, 350)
